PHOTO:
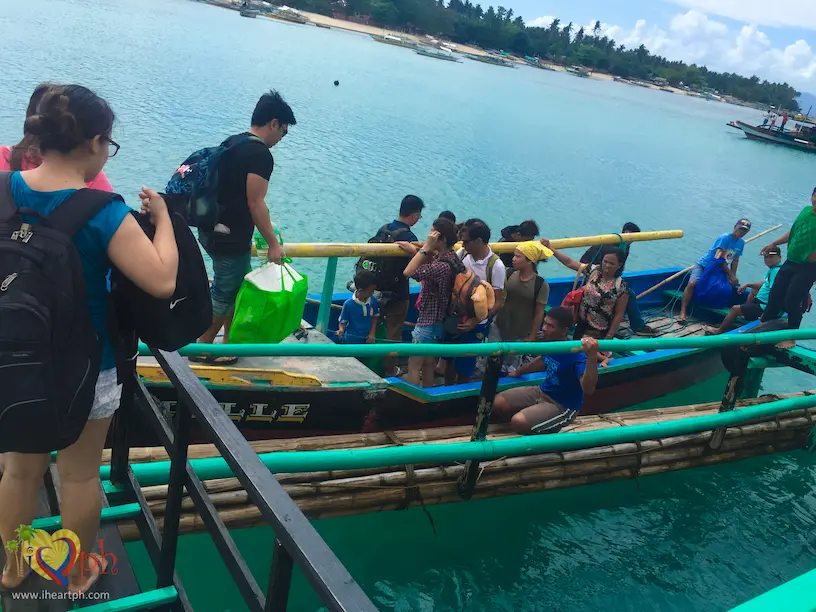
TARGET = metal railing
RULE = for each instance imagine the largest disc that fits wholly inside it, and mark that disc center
(478, 449)
(333, 251)
(296, 541)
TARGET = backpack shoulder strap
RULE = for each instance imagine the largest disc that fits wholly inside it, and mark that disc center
(79, 208)
(461, 254)
(618, 284)
(7, 206)
(539, 283)
(491, 263)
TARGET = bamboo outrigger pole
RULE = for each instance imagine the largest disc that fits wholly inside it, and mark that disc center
(359, 458)
(486, 349)
(665, 281)
(341, 249)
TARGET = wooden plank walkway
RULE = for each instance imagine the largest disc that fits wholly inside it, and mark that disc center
(41, 595)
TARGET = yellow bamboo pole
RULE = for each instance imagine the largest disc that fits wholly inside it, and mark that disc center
(687, 270)
(341, 249)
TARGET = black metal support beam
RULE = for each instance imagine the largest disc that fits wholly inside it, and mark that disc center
(280, 579)
(490, 384)
(332, 582)
(175, 494)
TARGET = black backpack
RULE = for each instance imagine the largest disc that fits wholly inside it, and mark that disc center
(166, 324)
(388, 270)
(50, 353)
(193, 188)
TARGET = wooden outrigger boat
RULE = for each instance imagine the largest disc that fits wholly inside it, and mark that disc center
(440, 55)
(273, 397)
(802, 136)
(490, 59)
(394, 40)
(321, 491)
(578, 71)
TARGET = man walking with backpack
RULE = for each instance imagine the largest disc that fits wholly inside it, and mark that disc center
(389, 272)
(243, 180)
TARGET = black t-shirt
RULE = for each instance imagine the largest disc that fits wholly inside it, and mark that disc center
(251, 157)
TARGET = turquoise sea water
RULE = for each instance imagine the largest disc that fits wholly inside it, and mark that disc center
(580, 156)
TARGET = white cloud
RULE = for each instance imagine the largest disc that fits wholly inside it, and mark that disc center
(779, 13)
(695, 38)
(541, 22)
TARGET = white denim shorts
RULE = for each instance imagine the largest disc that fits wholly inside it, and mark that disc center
(107, 397)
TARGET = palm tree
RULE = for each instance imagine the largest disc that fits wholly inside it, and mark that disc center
(501, 12)
(579, 36)
(642, 53)
(554, 26)
(509, 16)
(13, 547)
(596, 30)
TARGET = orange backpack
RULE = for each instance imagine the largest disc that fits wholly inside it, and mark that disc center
(470, 298)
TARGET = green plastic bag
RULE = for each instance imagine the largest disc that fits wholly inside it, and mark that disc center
(269, 306)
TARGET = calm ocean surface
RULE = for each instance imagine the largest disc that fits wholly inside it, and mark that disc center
(580, 156)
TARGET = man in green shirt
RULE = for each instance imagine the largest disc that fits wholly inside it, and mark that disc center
(791, 288)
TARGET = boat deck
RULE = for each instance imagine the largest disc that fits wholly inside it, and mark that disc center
(302, 373)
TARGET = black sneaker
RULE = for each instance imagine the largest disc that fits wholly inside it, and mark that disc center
(646, 331)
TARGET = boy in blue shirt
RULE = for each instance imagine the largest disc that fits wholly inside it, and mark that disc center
(361, 312)
(758, 300)
(729, 247)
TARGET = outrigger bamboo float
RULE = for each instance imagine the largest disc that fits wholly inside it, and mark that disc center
(272, 397)
(332, 476)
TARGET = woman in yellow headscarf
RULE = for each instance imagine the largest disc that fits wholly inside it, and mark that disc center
(525, 294)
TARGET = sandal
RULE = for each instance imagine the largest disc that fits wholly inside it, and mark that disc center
(11, 579)
(100, 568)
(213, 360)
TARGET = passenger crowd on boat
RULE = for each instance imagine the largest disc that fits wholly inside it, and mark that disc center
(469, 294)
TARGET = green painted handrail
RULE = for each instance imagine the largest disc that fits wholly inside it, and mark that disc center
(114, 513)
(489, 348)
(140, 601)
(156, 473)
(797, 595)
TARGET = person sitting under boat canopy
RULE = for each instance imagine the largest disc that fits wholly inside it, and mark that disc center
(569, 377)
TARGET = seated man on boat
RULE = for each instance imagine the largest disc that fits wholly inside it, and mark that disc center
(431, 265)
(758, 299)
(526, 231)
(636, 322)
(791, 290)
(526, 294)
(728, 246)
(570, 376)
(479, 258)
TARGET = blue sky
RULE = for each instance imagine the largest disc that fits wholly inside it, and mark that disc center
(773, 39)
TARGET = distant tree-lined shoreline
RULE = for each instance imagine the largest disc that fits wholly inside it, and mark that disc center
(498, 28)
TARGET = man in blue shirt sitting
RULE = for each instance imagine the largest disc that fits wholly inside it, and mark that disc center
(570, 376)
(728, 247)
(753, 309)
